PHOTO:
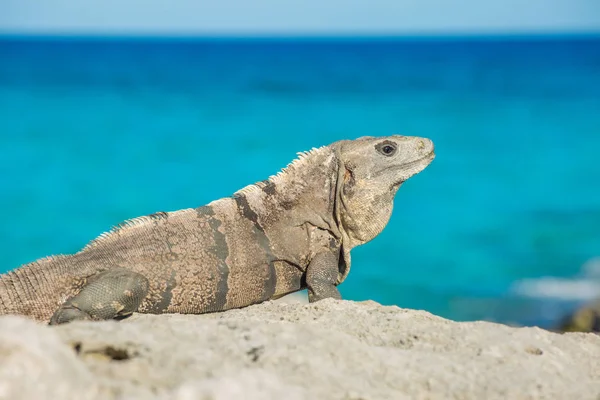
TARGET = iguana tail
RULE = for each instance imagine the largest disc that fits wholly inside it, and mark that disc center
(32, 290)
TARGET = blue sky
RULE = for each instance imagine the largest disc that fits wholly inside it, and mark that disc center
(298, 17)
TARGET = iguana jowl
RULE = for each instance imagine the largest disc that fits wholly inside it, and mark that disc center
(292, 231)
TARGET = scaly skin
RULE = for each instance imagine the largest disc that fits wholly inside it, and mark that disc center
(292, 231)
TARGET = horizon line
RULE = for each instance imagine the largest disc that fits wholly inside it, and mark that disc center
(533, 34)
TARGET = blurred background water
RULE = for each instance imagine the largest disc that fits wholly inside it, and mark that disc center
(499, 227)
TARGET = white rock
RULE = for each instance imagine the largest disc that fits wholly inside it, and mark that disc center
(325, 350)
(36, 364)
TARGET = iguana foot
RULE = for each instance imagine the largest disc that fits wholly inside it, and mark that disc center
(321, 277)
(111, 294)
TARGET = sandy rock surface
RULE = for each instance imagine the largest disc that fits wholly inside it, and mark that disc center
(326, 350)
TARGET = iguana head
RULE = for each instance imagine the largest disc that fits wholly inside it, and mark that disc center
(371, 169)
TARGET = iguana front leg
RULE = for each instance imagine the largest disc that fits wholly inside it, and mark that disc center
(110, 294)
(321, 277)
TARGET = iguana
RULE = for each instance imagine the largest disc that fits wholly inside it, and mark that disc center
(290, 232)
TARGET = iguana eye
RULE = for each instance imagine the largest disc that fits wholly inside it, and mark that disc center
(387, 148)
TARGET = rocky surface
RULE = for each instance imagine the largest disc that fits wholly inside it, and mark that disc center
(326, 350)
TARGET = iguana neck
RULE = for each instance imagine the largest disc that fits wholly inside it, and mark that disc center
(364, 215)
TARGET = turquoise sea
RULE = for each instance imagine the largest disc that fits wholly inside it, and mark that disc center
(97, 130)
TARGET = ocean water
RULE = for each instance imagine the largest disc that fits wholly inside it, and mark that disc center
(499, 227)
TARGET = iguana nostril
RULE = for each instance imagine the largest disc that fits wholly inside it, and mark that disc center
(425, 146)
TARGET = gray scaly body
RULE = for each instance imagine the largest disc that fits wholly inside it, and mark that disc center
(292, 231)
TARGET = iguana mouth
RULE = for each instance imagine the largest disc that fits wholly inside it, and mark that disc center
(409, 169)
(429, 156)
